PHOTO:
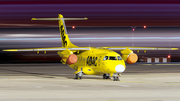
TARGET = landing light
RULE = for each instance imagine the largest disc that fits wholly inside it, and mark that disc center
(73, 27)
(144, 26)
(133, 29)
(169, 56)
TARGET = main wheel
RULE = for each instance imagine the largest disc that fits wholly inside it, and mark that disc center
(104, 76)
(77, 76)
(107, 77)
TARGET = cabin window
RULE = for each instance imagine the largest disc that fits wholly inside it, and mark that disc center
(119, 58)
(105, 58)
(99, 58)
(112, 58)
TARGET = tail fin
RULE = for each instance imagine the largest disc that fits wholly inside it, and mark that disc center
(63, 33)
(62, 27)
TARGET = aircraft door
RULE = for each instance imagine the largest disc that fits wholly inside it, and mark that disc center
(98, 61)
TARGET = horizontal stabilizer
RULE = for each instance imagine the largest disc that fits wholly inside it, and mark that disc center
(48, 49)
(55, 19)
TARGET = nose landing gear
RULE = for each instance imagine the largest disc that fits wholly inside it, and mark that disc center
(116, 77)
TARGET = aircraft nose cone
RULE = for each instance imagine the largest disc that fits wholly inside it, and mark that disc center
(119, 68)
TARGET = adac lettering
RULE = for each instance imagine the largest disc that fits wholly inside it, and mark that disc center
(91, 61)
(63, 37)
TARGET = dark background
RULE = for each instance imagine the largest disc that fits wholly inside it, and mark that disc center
(15, 13)
(86, 36)
(109, 23)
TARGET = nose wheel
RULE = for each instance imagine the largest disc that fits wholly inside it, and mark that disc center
(116, 77)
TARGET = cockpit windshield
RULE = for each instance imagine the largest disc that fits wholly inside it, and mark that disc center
(105, 58)
(119, 58)
(112, 58)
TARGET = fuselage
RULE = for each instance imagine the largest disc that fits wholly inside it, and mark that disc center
(99, 61)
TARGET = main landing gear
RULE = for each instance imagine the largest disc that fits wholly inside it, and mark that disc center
(106, 76)
(78, 75)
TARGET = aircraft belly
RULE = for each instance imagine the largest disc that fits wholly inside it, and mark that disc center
(73, 67)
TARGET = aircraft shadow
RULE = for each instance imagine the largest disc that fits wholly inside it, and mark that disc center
(44, 75)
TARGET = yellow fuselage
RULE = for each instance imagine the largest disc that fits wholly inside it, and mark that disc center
(93, 62)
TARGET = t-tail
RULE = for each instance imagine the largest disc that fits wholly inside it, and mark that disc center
(62, 28)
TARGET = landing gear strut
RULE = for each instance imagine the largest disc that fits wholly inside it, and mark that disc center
(78, 75)
(116, 77)
(106, 76)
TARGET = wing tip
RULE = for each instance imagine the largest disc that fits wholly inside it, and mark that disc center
(85, 18)
(33, 19)
(10, 50)
(174, 48)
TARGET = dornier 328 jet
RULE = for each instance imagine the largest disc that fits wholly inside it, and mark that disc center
(91, 60)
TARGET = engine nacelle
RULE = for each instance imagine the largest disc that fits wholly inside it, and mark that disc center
(128, 56)
(88, 71)
(71, 59)
(67, 57)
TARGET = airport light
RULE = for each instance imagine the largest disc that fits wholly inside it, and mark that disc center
(144, 26)
(133, 29)
(169, 56)
(73, 27)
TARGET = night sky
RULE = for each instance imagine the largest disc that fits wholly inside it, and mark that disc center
(17, 13)
(109, 23)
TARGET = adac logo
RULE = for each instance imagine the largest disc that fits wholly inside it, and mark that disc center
(91, 61)
(63, 37)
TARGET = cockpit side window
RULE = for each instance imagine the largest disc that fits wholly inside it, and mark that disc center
(105, 58)
(112, 58)
(119, 58)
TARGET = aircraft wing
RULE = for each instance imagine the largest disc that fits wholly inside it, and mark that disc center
(48, 49)
(88, 48)
(138, 48)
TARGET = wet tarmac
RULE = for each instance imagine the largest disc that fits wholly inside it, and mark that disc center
(54, 82)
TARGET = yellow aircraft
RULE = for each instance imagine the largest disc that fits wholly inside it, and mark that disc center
(91, 60)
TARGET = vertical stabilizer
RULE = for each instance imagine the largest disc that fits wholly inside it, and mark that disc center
(63, 33)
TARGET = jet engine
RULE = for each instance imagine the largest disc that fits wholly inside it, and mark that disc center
(67, 57)
(128, 56)
(88, 71)
(71, 59)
